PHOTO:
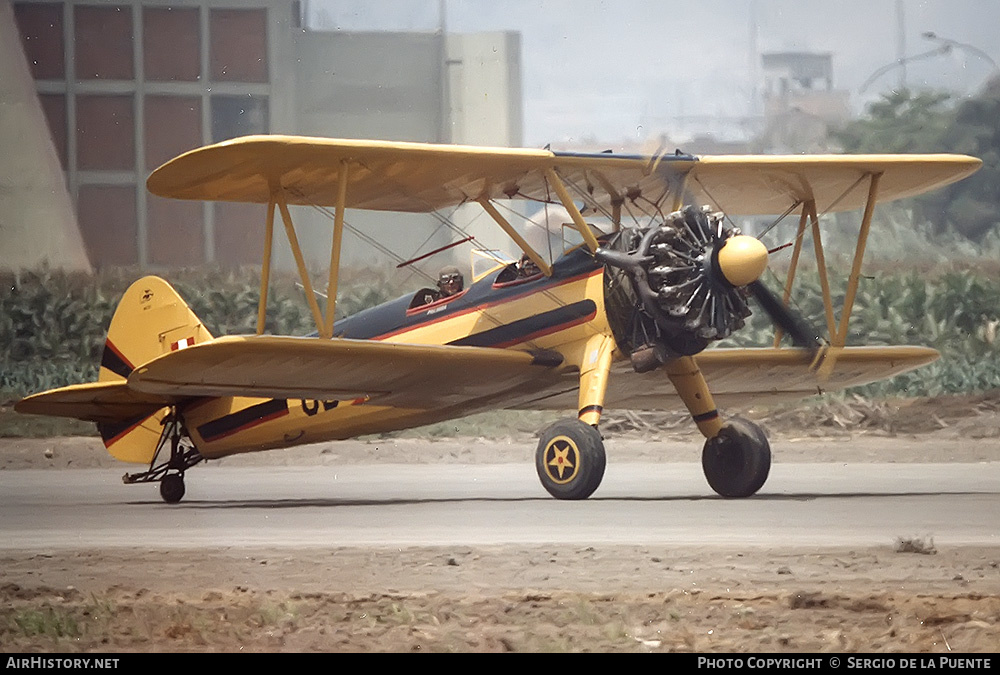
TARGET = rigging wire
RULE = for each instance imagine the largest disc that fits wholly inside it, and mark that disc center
(780, 218)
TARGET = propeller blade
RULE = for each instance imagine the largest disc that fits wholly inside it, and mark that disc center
(794, 325)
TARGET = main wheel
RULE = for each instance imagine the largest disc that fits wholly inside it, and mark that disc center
(570, 459)
(172, 488)
(737, 461)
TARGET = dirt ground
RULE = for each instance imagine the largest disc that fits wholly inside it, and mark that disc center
(909, 596)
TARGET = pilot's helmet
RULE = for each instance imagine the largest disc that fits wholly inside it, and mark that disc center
(450, 280)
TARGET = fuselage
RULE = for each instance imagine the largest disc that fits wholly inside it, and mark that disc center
(558, 313)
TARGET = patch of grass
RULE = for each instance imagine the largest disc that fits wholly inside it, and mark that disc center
(15, 425)
(45, 621)
(275, 615)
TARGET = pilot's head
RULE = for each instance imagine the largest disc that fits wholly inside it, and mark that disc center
(450, 281)
(527, 266)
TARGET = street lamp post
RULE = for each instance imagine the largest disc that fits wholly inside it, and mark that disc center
(947, 46)
(901, 63)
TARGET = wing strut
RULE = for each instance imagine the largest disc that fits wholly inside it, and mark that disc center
(574, 213)
(323, 327)
(324, 324)
(338, 235)
(824, 277)
(293, 241)
(837, 332)
(859, 253)
(265, 272)
(518, 239)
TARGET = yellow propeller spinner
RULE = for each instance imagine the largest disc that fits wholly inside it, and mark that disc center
(742, 260)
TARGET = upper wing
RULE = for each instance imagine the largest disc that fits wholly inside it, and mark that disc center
(403, 375)
(420, 177)
(384, 176)
(771, 184)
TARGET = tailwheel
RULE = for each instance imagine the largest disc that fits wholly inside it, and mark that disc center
(172, 488)
(570, 459)
(736, 462)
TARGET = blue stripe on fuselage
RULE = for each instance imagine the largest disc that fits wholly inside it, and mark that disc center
(391, 317)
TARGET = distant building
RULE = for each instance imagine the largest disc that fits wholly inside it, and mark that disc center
(801, 105)
(127, 85)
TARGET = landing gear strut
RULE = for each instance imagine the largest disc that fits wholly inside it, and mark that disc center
(169, 474)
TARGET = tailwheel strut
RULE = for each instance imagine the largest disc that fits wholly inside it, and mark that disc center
(169, 473)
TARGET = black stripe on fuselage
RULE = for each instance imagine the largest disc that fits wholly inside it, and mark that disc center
(391, 317)
(243, 419)
(534, 326)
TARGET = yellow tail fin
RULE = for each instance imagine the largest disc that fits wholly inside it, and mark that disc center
(150, 320)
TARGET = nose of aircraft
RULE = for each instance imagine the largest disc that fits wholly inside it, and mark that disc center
(742, 260)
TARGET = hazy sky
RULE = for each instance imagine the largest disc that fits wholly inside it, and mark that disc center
(628, 69)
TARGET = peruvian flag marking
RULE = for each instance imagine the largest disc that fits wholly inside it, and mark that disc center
(181, 344)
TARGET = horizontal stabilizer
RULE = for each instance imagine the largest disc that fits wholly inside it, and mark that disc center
(102, 402)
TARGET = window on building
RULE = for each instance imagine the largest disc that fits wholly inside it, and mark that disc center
(171, 44)
(105, 132)
(41, 27)
(173, 126)
(238, 45)
(103, 42)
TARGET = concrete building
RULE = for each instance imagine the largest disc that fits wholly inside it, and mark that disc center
(37, 221)
(801, 104)
(127, 84)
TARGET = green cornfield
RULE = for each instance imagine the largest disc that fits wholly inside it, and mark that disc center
(53, 324)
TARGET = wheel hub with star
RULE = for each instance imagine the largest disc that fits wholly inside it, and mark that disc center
(562, 460)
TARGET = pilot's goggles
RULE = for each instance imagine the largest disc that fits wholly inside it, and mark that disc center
(449, 278)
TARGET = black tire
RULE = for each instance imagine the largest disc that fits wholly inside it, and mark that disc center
(570, 459)
(738, 460)
(172, 488)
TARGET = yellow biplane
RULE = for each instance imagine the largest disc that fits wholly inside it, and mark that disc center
(621, 319)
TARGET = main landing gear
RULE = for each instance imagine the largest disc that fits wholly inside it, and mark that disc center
(169, 474)
(570, 458)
